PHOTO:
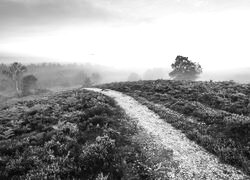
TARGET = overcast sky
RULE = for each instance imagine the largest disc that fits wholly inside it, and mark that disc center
(129, 33)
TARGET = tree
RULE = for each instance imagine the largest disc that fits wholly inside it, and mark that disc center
(5, 82)
(28, 83)
(134, 77)
(14, 72)
(184, 69)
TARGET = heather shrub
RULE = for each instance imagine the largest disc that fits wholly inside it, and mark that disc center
(70, 135)
(213, 114)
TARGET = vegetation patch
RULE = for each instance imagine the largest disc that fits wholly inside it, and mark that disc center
(212, 121)
(73, 134)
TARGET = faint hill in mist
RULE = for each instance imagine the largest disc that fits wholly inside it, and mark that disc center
(52, 73)
(156, 73)
(241, 75)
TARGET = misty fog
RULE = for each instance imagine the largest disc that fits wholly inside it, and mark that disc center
(79, 43)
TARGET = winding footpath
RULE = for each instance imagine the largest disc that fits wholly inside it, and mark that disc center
(194, 161)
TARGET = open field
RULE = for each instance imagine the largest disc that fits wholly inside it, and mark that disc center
(213, 114)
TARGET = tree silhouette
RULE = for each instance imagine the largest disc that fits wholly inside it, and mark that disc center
(14, 72)
(184, 69)
(28, 83)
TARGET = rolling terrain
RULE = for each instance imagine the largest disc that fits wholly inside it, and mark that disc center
(191, 161)
(215, 115)
(74, 134)
(148, 130)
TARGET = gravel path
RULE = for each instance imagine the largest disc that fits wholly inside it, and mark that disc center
(194, 161)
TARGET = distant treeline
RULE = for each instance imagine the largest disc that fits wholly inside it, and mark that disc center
(51, 75)
(47, 76)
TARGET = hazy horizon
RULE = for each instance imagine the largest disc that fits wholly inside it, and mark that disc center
(137, 34)
(115, 74)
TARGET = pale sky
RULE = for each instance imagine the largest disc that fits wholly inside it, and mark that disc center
(129, 33)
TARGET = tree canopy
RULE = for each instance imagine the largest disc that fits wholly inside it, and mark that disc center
(185, 69)
(28, 83)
